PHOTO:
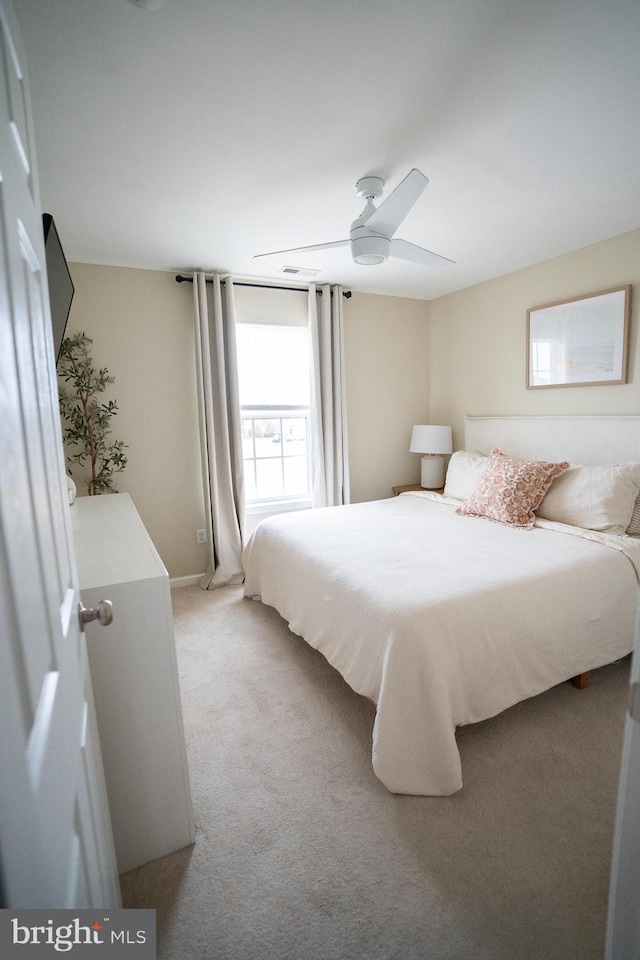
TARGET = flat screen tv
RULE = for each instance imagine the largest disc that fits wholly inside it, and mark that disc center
(61, 287)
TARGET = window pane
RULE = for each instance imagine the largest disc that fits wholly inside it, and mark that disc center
(294, 435)
(269, 478)
(295, 476)
(267, 437)
(247, 440)
(249, 480)
(273, 364)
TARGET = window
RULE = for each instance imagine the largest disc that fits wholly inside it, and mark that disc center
(273, 373)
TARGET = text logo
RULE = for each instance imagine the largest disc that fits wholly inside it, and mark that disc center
(83, 933)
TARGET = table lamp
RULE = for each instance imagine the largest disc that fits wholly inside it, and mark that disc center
(432, 441)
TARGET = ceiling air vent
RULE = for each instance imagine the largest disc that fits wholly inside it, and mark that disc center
(303, 273)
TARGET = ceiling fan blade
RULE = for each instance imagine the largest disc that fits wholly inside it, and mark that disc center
(389, 215)
(315, 246)
(403, 250)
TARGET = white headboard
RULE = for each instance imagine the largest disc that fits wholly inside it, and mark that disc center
(587, 440)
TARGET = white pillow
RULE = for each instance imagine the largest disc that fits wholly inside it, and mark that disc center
(634, 524)
(463, 474)
(593, 497)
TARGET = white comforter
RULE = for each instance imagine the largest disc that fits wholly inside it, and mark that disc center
(443, 620)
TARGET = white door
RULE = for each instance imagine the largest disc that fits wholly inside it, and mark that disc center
(56, 848)
(623, 928)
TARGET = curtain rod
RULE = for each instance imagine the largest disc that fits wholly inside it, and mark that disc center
(269, 286)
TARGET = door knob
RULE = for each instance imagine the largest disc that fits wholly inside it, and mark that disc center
(102, 612)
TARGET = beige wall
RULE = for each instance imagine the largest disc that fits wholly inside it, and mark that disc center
(141, 324)
(386, 349)
(477, 349)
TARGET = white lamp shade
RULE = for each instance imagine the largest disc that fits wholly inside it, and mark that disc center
(428, 438)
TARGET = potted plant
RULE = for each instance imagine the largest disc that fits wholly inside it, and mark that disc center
(86, 418)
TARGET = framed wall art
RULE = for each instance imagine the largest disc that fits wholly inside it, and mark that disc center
(579, 342)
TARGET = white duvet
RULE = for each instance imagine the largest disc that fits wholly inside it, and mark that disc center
(443, 620)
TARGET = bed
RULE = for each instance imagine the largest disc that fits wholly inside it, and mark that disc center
(444, 619)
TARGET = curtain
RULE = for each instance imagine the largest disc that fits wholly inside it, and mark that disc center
(328, 441)
(220, 429)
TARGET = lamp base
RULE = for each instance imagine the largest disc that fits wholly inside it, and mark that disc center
(432, 472)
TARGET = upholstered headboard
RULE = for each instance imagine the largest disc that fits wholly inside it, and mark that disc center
(586, 440)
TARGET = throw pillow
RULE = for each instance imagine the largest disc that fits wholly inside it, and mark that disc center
(510, 490)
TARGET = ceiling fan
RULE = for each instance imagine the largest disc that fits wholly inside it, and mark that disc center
(371, 237)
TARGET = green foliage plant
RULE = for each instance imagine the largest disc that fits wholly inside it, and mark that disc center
(86, 418)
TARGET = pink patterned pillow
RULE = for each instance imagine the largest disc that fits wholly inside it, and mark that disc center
(510, 490)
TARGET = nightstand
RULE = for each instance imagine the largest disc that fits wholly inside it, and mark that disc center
(405, 487)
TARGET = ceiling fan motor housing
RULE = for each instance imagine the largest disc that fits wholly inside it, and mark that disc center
(369, 248)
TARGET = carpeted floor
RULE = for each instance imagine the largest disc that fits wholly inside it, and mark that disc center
(302, 854)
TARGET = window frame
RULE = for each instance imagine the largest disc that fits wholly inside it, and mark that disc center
(282, 310)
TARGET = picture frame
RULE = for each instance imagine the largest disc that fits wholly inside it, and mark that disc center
(579, 342)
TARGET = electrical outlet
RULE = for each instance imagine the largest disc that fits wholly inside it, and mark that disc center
(201, 536)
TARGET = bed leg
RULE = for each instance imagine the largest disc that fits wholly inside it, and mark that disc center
(581, 681)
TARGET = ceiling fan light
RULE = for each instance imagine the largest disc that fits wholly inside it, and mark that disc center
(369, 259)
(148, 4)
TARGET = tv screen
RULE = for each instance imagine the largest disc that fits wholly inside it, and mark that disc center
(61, 287)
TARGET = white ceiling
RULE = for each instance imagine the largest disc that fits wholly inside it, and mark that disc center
(205, 132)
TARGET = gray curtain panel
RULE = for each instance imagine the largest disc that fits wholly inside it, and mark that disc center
(220, 429)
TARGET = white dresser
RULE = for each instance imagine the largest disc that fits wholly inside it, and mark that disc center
(135, 680)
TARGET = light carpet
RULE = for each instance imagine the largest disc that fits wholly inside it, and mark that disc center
(302, 854)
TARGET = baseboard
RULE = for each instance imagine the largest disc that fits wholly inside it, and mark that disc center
(175, 582)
